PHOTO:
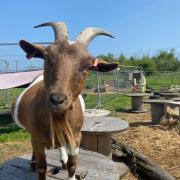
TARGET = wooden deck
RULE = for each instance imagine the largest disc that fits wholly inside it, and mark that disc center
(92, 165)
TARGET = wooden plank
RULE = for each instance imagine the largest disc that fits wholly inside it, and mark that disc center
(90, 142)
(104, 145)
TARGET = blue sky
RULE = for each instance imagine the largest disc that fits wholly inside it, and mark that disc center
(138, 25)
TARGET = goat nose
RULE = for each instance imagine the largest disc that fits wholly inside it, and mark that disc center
(57, 98)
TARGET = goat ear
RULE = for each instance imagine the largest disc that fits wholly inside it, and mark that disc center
(32, 50)
(103, 66)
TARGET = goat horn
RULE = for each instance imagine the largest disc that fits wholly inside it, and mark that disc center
(60, 29)
(90, 33)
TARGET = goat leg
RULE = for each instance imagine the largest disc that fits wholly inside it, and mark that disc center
(71, 165)
(63, 156)
(33, 162)
(41, 165)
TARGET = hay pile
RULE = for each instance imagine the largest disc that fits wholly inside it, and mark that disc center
(160, 145)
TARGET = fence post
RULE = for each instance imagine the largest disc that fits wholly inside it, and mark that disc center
(118, 88)
(98, 91)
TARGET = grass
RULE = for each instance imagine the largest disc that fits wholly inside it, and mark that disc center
(118, 103)
(158, 80)
(18, 135)
(112, 102)
(8, 96)
(10, 132)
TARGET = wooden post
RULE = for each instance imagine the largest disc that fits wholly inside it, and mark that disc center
(157, 111)
(102, 148)
(89, 142)
(98, 143)
(96, 133)
(136, 102)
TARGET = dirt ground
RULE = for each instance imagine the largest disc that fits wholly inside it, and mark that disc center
(160, 145)
(11, 150)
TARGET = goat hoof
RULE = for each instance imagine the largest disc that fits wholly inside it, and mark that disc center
(42, 176)
(64, 165)
(54, 171)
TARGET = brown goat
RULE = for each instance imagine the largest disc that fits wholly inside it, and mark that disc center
(51, 108)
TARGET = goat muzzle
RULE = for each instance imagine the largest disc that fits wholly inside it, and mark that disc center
(58, 102)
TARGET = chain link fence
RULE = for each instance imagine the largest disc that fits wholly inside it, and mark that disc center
(12, 59)
(99, 88)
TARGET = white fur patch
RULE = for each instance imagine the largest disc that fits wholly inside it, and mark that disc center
(82, 103)
(72, 178)
(74, 152)
(18, 100)
(63, 154)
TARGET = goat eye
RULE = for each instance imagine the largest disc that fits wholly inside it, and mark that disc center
(85, 67)
(88, 67)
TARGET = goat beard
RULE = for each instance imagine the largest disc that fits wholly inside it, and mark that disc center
(61, 132)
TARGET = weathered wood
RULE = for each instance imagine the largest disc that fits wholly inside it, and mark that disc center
(176, 99)
(137, 94)
(98, 143)
(157, 112)
(156, 101)
(96, 133)
(105, 145)
(90, 142)
(157, 109)
(93, 166)
(169, 95)
(136, 102)
(142, 164)
(101, 124)
(172, 111)
(96, 112)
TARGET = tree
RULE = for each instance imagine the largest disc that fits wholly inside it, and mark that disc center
(166, 61)
(163, 61)
(122, 59)
(109, 57)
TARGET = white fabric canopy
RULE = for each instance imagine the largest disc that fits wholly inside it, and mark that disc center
(10, 80)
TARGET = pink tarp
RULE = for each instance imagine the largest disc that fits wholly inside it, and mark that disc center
(10, 80)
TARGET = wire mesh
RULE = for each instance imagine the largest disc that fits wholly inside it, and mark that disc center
(13, 59)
